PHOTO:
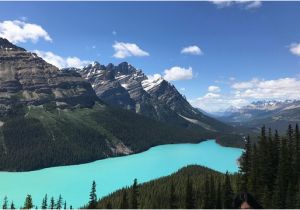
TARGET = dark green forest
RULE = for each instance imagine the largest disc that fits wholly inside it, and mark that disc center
(64, 137)
(191, 187)
(79, 135)
(269, 170)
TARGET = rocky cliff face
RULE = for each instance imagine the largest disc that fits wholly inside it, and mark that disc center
(27, 79)
(127, 87)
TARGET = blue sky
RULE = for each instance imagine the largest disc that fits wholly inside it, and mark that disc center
(245, 51)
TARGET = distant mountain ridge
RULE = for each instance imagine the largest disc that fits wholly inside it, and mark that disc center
(129, 88)
(276, 114)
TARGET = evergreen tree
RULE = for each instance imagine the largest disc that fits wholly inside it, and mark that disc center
(173, 199)
(298, 197)
(206, 200)
(290, 139)
(93, 197)
(28, 204)
(297, 149)
(134, 195)
(5, 203)
(254, 172)
(219, 196)
(65, 205)
(294, 167)
(212, 192)
(189, 195)
(45, 202)
(276, 149)
(12, 205)
(270, 171)
(263, 165)
(124, 202)
(245, 164)
(59, 202)
(280, 191)
(52, 203)
(108, 205)
(227, 193)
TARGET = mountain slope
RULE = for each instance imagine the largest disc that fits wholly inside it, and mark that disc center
(28, 80)
(275, 114)
(50, 117)
(126, 87)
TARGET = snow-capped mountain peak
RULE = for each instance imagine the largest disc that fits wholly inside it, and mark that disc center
(127, 87)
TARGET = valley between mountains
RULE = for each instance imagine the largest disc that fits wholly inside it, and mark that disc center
(73, 116)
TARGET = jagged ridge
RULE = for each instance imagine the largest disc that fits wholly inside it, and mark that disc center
(127, 87)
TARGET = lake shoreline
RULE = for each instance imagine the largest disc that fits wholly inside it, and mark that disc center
(110, 174)
(116, 156)
(120, 155)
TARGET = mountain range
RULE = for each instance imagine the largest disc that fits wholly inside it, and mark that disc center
(126, 87)
(274, 114)
(52, 117)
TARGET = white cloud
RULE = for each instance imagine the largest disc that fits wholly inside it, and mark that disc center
(213, 88)
(295, 49)
(17, 31)
(114, 33)
(222, 3)
(178, 73)
(193, 50)
(182, 89)
(211, 95)
(154, 77)
(245, 92)
(279, 89)
(123, 50)
(246, 4)
(61, 62)
(244, 85)
(253, 4)
(212, 102)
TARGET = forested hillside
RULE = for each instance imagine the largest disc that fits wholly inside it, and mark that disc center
(191, 187)
(271, 168)
(73, 136)
(269, 171)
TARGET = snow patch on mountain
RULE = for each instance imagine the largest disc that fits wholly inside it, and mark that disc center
(197, 122)
(152, 82)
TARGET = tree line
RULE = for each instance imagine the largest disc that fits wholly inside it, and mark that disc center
(28, 203)
(191, 187)
(270, 168)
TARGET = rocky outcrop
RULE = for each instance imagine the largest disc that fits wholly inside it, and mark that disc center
(27, 79)
(127, 87)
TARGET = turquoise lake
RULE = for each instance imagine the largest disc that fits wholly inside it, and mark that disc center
(74, 182)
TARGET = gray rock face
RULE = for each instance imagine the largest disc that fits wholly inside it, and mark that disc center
(274, 114)
(127, 87)
(27, 79)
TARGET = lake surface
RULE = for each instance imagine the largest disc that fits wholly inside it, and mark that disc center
(74, 182)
